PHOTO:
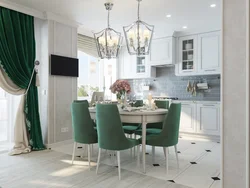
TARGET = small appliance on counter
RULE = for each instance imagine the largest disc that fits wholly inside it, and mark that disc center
(164, 97)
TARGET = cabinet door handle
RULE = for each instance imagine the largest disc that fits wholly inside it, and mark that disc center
(208, 105)
(208, 70)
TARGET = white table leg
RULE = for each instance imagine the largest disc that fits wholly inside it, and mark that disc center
(144, 124)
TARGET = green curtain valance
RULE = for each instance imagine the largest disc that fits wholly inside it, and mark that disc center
(17, 56)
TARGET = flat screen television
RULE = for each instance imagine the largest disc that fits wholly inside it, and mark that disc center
(64, 66)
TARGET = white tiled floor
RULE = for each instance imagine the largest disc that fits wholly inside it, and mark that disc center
(191, 150)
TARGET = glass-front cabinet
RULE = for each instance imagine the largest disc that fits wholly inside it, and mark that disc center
(187, 54)
(140, 65)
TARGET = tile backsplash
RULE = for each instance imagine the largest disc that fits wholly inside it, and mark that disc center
(166, 83)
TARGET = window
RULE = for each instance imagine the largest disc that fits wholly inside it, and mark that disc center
(95, 75)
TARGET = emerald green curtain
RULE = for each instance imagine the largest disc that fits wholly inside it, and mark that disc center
(17, 56)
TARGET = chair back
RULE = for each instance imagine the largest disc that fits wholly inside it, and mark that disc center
(171, 124)
(138, 103)
(83, 126)
(162, 104)
(109, 128)
(82, 101)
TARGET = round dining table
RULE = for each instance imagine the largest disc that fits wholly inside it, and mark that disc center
(142, 117)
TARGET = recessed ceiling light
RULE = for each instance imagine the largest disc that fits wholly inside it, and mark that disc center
(168, 15)
(184, 27)
(213, 5)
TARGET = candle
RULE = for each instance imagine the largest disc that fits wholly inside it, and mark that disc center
(130, 34)
(149, 97)
(102, 41)
(103, 81)
(146, 33)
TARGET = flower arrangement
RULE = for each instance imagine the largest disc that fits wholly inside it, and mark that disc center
(120, 88)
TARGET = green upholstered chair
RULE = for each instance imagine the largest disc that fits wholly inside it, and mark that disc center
(83, 127)
(155, 128)
(169, 134)
(110, 132)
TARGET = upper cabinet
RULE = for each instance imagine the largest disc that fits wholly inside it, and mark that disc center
(131, 66)
(209, 53)
(162, 51)
(187, 55)
(199, 54)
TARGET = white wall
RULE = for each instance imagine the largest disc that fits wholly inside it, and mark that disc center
(62, 90)
(56, 93)
(234, 94)
(41, 34)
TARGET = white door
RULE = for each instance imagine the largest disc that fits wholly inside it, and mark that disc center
(187, 121)
(187, 63)
(208, 118)
(209, 53)
(4, 114)
(161, 51)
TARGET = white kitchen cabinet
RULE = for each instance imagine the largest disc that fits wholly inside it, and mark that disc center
(188, 114)
(199, 54)
(200, 118)
(187, 53)
(132, 67)
(126, 64)
(162, 51)
(208, 119)
(209, 53)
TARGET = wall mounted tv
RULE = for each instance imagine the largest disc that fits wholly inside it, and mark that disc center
(64, 66)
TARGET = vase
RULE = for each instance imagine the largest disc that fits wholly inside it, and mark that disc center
(122, 99)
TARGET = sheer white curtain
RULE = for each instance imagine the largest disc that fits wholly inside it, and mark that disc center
(20, 131)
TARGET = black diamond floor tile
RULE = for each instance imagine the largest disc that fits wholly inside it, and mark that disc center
(193, 162)
(78, 156)
(171, 181)
(147, 153)
(79, 147)
(208, 151)
(156, 165)
(193, 143)
(178, 152)
(215, 178)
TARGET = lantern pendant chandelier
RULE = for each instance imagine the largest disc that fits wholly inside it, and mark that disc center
(138, 36)
(108, 41)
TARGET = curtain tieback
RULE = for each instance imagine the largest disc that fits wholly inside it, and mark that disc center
(37, 77)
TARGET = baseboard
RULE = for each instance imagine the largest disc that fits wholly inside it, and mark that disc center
(207, 137)
(58, 144)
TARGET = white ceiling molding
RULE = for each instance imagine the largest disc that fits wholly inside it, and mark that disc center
(22, 9)
(60, 19)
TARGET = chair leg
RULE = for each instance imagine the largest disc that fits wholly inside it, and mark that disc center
(153, 154)
(74, 150)
(176, 154)
(98, 159)
(131, 149)
(138, 155)
(85, 152)
(119, 164)
(166, 151)
(89, 155)
(134, 147)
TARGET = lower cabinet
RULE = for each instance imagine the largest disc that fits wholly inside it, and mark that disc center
(200, 117)
(187, 122)
(208, 119)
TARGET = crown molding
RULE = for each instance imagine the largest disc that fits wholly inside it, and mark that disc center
(60, 19)
(22, 9)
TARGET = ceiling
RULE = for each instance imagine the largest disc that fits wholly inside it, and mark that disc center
(197, 15)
